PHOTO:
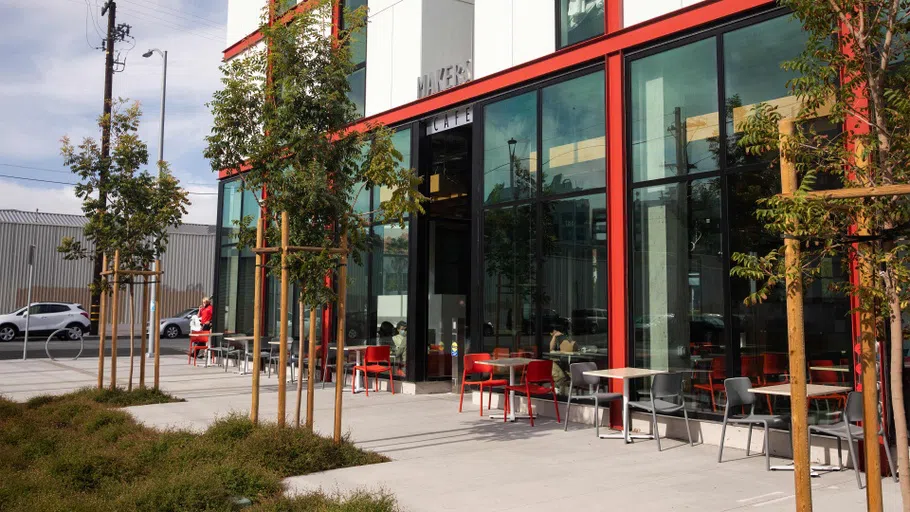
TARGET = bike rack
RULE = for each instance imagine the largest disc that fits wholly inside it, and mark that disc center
(53, 334)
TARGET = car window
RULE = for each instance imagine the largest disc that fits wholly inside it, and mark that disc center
(34, 309)
(53, 308)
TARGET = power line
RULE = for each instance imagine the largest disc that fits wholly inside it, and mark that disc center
(173, 26)
(10, 176)
(35, 168)
(175, 12)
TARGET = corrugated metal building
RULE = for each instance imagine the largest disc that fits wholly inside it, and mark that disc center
(187, 264)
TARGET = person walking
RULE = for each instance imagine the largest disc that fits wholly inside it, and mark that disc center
(205, 314)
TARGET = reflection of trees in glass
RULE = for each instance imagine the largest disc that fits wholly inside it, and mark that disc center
(395, 265)
(586, 22)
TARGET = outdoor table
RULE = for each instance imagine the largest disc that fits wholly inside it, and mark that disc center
(357, 385)
(569, 355)
(511, 363)
(246, 351)
(626, 374)
(811, 391)
(838, 368)
(209, 347)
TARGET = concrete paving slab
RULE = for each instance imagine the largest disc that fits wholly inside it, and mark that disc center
(442, 460)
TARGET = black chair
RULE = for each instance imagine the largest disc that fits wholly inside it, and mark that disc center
(666, 398)
(847, 430)
(590, 390)
(738, 395)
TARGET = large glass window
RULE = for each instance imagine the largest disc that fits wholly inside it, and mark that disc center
(510, 149)
(233, 304)
(357, 79)
(674, 112)
(579, 20)
(544, 251)
(687, 312)
(573, 142)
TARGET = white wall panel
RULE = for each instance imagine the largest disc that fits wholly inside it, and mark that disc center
(406, 53)
(492, 36)
(243, 19)
(448, 35)
(637, 11)
(379, 61)
(393, 53)
(533, 30)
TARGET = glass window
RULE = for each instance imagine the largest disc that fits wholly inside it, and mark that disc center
(761, 329)
(401, 140)
(359, 39)
(226, 300)
(231, 207)
(573, 126)
(390, 290)
(753, 74)
(510, 284)
(358, 325)
(674, 113)
(678, 275)
(579, 20)
(510, 149)
(357, 81)
(250, 207)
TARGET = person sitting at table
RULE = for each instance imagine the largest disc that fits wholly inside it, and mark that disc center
(386, 331)
(400, 342)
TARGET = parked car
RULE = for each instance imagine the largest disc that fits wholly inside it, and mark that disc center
(589, 321)
(177, 325)
(550, 320)
(45, 318)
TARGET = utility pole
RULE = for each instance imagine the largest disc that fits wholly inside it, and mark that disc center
(114, 33)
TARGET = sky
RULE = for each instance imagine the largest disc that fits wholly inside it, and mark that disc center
(53, 81)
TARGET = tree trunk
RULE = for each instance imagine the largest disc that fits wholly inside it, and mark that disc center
(132, 336)
(897, 391)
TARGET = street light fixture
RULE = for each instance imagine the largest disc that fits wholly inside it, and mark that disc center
(512, 143)
(154, 290)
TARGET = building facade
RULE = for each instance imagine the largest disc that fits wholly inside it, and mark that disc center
(584, 177)
(187, 263)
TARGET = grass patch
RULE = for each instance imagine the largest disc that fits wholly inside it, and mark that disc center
(120, 397)
(78, 452)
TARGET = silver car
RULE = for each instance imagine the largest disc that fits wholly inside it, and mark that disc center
(177, 325)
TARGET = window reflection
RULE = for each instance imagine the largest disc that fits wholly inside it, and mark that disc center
(674, 114)
(357, 81)
(390, 290)
(574, 146)
(580, 20)
(510, 149)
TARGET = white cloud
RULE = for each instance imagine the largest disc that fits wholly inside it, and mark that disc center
(54, 199)
(53, 83)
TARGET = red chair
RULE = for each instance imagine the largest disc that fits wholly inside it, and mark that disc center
(537, 373)
(828, 377)
(715, 382)
(775, 370)
(371, 364)
(473, 366)
(754, 368)
(500, 353)
(197, 344)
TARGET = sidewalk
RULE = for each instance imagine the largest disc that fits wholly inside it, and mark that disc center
(442, 460)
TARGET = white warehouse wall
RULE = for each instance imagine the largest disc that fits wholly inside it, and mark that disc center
(511, 32)
(637, 11)
(243, 19)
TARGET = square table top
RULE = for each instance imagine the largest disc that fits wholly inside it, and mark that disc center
(558, 353)
(625, 373)
(205, 334)
(837, 368)
(239, 338)
(506, 362)
(352, 347)
(811, 390)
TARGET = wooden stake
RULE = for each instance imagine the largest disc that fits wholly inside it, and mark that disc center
(157, 325)
(102, 327)
(300, 338)
(115, 319)
(132, 336)
(797, 342)
(257, 324)
(283, 329)
(339, 355)
(143, 345)
(311, 370)
(868, 365)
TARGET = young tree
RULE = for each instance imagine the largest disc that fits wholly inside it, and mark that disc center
(283, 117)
(140, 206)
(852, 71)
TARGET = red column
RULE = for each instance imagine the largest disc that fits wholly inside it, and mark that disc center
(616, 227)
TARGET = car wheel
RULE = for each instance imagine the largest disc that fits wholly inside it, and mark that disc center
(171, 331)
(73, 333)
(8, 332)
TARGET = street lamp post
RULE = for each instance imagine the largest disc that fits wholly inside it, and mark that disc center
(154, 290)
(512, 143)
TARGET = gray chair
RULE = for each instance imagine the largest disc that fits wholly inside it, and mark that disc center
(579, 381)
(847, 430)
(738, 395)
(666, 398)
